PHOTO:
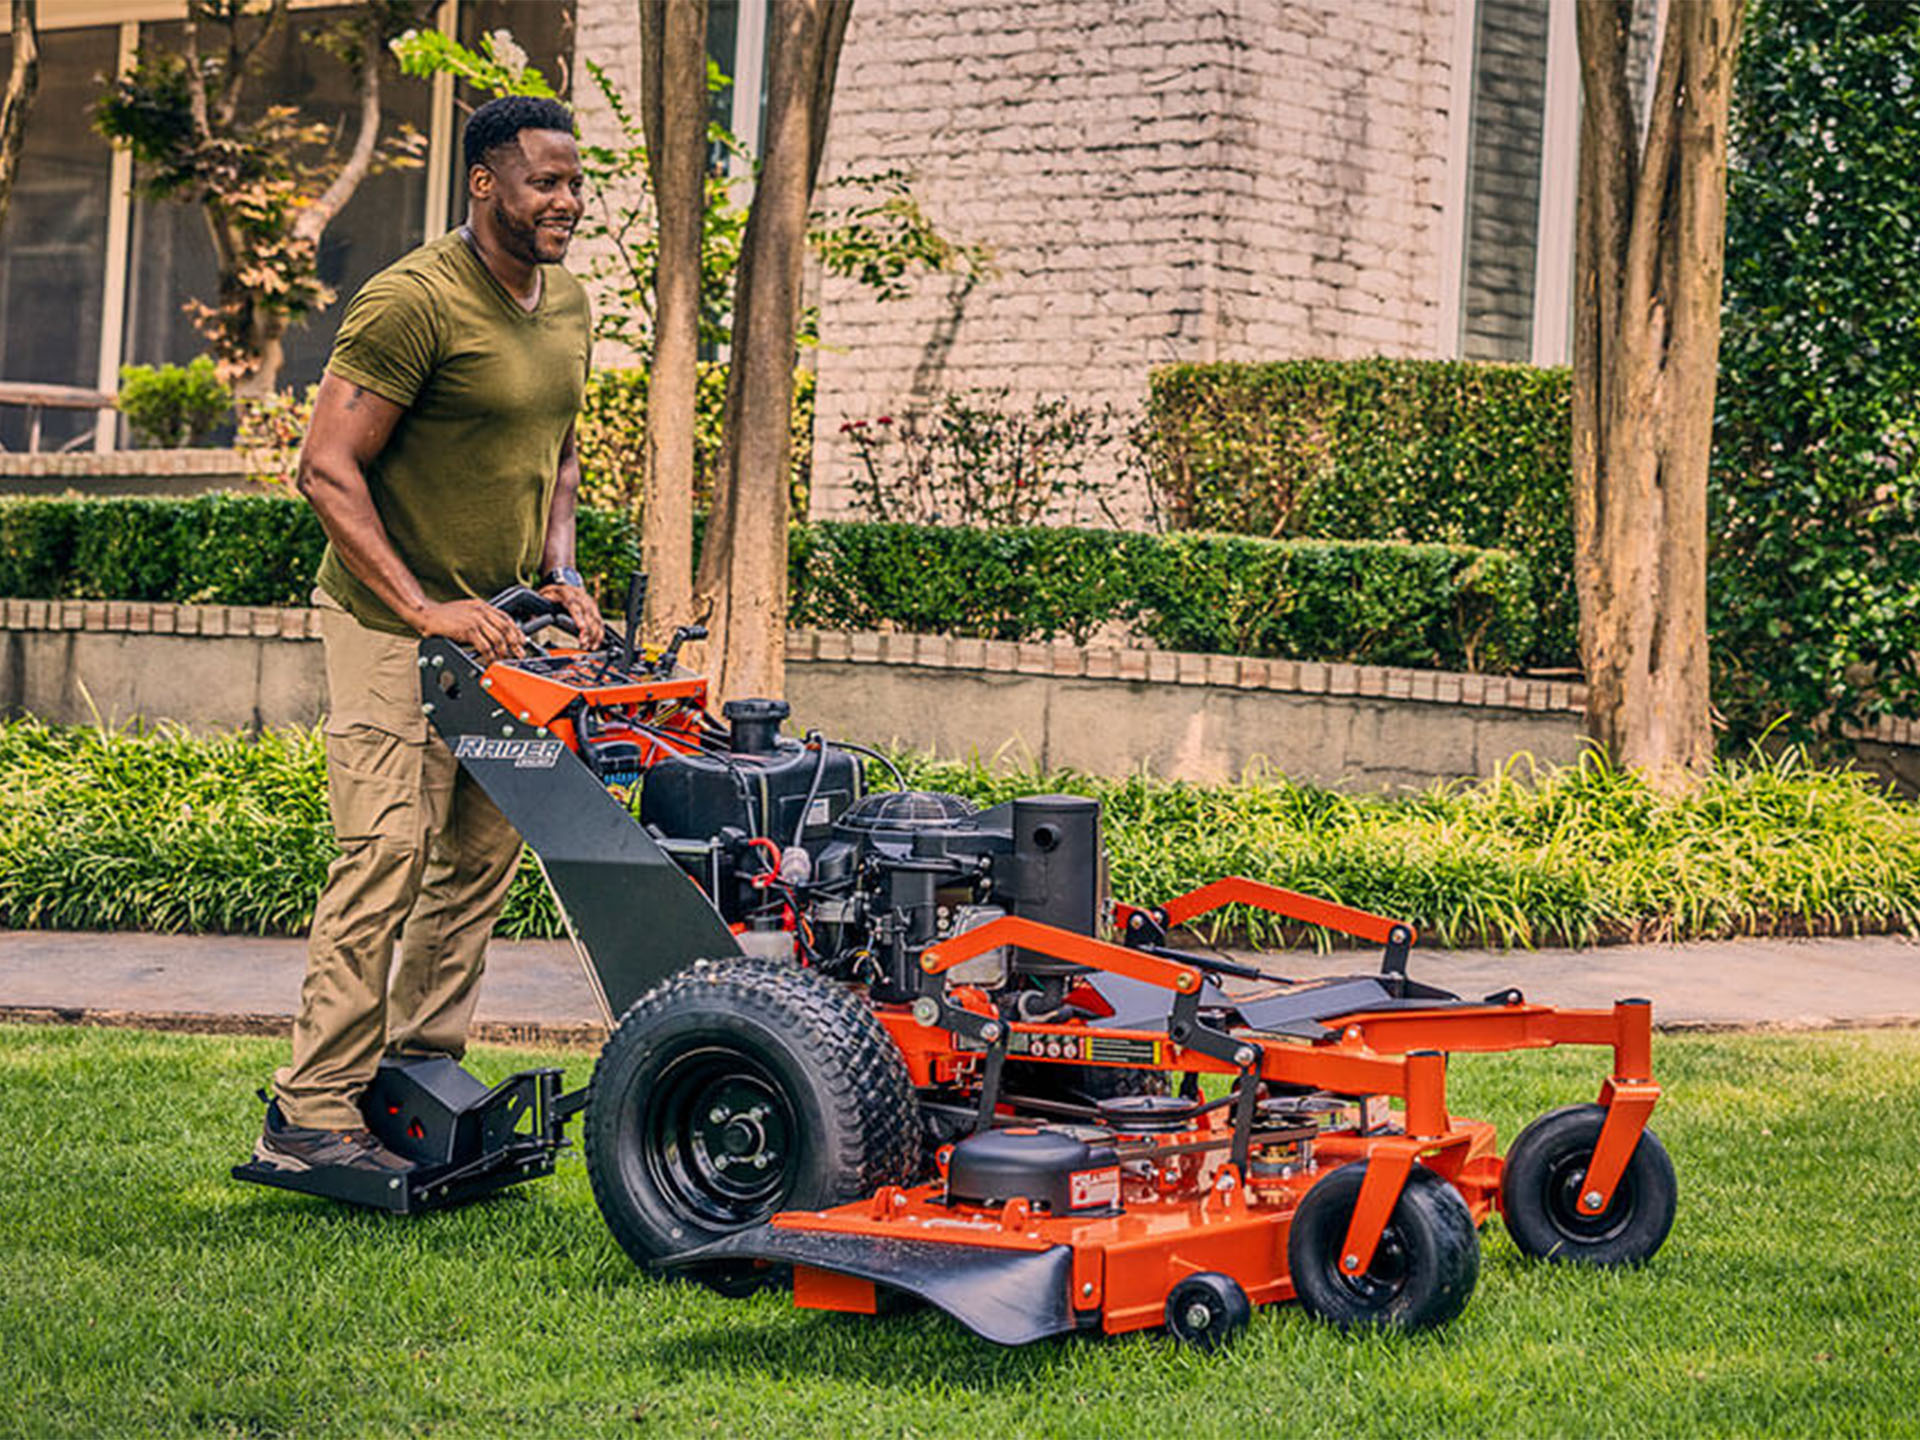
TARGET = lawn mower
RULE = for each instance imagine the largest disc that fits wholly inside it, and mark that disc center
(891, 1044)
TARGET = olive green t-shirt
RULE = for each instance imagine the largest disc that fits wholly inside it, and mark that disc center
(490, 391)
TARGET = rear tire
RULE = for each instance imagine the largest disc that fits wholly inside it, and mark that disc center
(1540, 1193)
(737, 1088)
(1423, 1271)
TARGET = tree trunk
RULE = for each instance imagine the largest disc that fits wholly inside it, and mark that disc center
(21, 84)
(1649, 261)
(673, 38)
(746, 550)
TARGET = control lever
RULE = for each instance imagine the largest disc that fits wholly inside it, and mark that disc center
(532, 612)
(636, 603)
(670, 656)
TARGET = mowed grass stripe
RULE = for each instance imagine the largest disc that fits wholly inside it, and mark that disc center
(142, 1292)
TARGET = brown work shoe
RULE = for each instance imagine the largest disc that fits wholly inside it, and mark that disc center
(289, 1147)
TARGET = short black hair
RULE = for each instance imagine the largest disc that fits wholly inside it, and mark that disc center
(499, 122)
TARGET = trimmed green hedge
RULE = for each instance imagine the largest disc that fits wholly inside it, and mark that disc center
(1429, 451)
(226, 549)
(1365, 602)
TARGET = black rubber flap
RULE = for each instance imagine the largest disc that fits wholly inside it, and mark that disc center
(1010, 1297)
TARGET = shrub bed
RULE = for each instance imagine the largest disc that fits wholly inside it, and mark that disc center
(1379, 449)
(223, 549)
(1431, 605)
(162, 831)
(1362, 602)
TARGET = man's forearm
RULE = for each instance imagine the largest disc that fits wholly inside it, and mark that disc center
(557, 550)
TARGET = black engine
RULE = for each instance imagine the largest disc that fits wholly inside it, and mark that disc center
(783, 839)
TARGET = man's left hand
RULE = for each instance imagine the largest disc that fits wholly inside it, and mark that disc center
(579, 604)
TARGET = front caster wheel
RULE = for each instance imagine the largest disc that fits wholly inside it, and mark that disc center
(735, 1089)
(1207, 1310)
(1423, 1270)
(1540, 1193)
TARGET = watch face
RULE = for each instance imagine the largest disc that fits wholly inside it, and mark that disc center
(561, 575)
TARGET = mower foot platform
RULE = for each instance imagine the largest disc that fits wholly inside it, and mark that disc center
(1008, 1296)
(426, 1187)
(465, 1141)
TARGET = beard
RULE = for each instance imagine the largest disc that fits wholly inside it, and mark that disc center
(526, 240)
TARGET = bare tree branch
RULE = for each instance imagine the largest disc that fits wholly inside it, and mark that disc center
(240, 58)
(674, 117)
(314, 219)
(196, 76)
(1655, 180)
(22, 82)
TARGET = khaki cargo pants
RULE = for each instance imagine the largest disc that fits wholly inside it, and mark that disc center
(425, 862)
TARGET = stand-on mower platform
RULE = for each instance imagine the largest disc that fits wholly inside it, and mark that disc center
(895, 1043)
(465, 1141)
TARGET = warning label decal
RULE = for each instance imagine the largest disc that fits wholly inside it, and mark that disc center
(1089, 1189)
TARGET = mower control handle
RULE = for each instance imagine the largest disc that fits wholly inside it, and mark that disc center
(533, 612)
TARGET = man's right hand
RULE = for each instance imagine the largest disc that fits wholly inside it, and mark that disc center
(475, 624)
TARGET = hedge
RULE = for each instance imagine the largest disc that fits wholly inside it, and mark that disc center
(1366, 602)
(1425, 451)
(223, 549)
(1369, 602)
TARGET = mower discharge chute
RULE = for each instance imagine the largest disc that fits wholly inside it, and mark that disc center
(878, 1042)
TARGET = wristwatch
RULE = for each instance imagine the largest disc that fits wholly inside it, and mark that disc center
(563, 575)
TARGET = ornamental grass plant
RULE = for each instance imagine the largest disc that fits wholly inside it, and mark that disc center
(161, 830)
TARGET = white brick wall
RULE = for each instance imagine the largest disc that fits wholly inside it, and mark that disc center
(1159, 180)
(607, 32)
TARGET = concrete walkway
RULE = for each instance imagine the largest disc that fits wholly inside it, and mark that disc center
(534, 991)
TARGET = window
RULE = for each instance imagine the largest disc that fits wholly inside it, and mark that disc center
(1503, 179)
(52, 275)
(91, 276)
(1519, 150)
(172, 252)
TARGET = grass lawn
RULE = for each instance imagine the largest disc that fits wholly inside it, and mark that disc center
(142, 1292)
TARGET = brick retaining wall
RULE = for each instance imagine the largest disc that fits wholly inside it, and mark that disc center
(1100, 708)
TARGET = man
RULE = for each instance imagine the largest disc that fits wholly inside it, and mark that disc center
(441, 461)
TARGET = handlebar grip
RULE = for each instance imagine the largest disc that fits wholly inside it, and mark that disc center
(532, 612)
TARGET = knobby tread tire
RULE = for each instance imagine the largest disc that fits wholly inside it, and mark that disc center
(844, 1071)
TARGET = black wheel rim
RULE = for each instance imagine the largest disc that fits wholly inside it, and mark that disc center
(719, 1136)
(1198, 1315)
(1385, 1277)
(1566, 1179)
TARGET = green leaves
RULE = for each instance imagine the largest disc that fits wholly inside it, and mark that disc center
(165, 831)
(173, 405)
(1572, 854)
(1426, 451)
(499, 66)
(1366, 602)
(1815, 564)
